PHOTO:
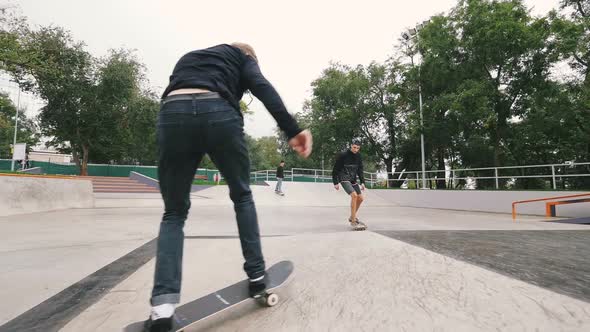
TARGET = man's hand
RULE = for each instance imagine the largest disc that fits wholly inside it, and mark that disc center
(337, 186)
(302, 143)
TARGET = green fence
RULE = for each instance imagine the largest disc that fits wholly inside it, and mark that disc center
(5, 164)
(303, 178)
(98, 169)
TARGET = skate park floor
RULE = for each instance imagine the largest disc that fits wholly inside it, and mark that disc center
(413, 270)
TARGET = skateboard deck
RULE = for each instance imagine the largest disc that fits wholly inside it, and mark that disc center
(224, 299)
(358, 227)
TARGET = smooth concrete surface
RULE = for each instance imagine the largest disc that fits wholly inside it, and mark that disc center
(42, 254)
(353, 281)
(344, 281)
(484, 200)
(520, 254)
(302, 194)
(20, 194)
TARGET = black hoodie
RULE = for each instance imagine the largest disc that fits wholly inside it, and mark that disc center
(348, 166)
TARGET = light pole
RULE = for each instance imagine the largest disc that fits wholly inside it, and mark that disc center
(15, 131)
(407, 36)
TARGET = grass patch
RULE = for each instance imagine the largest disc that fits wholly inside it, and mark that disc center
(7, 172)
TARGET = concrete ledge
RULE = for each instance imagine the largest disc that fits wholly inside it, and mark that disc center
(156, 184)
(23, 194)
(144, 179)
(483, 201)
(34, 170)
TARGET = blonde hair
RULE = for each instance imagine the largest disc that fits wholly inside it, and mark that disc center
(247, 49)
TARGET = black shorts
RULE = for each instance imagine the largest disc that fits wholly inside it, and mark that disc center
(351, 187)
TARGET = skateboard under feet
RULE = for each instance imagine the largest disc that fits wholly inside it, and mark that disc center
(358, 226)
(229, 297)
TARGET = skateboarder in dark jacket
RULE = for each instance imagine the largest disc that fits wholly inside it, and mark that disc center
(349, 166)
(200, 114)
(280, 177)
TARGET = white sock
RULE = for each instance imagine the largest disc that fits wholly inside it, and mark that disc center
(165, 310)
(257, 279)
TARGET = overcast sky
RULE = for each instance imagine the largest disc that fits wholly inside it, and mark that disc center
(294, 40)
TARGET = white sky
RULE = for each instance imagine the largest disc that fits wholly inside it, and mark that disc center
(294, 40)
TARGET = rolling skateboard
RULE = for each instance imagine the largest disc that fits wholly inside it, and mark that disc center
(226, 298)
(358, 226)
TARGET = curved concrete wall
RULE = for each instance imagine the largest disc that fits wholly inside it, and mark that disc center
(29, 194)
(484, 201)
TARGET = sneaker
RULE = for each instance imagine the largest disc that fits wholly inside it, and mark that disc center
(357, 225)
(257, 287)
(158, 325)
(357, 222)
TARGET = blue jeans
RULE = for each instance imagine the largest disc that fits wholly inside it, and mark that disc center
(187, 129)
(279, 187)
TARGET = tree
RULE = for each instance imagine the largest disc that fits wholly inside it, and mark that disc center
(12, 27)
(519, 63)
(112, 107)
(27, 129)
(140, 142)
(60, 74)
(88, 101)
(264, 153)
(341, 109)
(291, 158)
(571, 33)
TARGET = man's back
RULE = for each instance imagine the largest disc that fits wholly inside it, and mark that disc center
(215, 68)
(227, 70)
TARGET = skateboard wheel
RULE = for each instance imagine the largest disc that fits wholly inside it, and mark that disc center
(272, 300)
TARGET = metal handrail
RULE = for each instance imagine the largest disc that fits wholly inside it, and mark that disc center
(542, 199)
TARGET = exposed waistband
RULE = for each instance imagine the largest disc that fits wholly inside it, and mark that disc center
(191, 96)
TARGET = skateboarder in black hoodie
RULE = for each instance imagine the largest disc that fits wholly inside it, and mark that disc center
(349, 166)
(200, 114)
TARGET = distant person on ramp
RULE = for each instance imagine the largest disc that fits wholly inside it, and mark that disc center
(280, 177)
(349, 166)
(200, 114)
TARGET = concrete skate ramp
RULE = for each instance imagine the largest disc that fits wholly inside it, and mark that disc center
(576, 221)
(481, 201)
(352, 281)
(296, 194)
(414, 270)
(28, 194)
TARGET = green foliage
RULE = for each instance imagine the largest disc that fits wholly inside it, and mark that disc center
(488, 96)
(486, 70)
(27, 129)
(95, 108)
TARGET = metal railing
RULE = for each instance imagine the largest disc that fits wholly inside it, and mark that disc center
(543, 200)
(307, 175)
(552, 173)
(553, 176)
